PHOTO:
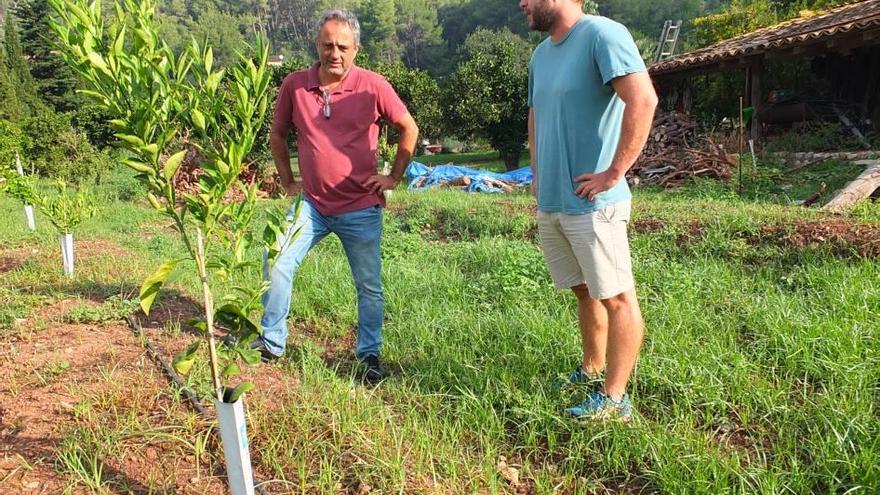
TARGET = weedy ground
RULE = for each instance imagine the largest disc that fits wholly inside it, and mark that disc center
(760, 371)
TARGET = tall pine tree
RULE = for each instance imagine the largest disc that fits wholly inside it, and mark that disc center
(18, 71)
(379, 30)
(419, 32)
(9, 107)
(56, 82)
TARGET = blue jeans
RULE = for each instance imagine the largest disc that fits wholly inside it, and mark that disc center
(360, 232)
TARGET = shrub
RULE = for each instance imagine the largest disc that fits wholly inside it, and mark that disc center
(92, 121)
(12, 141)
(59, 151)
(815, 136)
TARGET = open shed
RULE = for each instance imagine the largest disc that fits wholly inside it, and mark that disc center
(843, 45)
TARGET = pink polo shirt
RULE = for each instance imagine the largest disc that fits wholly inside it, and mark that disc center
(337, 154)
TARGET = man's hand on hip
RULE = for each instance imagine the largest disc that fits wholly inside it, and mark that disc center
(381, 183)
(292, 189)
(589, 185)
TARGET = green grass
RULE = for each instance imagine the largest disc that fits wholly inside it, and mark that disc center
(760, 371)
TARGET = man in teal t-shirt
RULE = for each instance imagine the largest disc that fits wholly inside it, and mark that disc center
(591, 107)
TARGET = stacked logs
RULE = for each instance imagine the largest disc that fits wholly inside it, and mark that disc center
(671, 130)
(186, 180)
(674, 154)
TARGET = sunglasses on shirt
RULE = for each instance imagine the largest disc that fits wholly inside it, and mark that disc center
(326, 109)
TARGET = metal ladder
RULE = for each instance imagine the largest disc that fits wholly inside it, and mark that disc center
(668, 40)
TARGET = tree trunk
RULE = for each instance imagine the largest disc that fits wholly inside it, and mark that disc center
(511, 160)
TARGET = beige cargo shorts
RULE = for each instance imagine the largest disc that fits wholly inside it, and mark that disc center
(591, 248)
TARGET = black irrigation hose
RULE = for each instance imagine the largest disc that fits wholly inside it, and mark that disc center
(178, 382)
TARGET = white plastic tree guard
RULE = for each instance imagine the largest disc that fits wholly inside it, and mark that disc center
(29, 215)
(28, 209)
(67, 253)
(233, 433)
(386, 170)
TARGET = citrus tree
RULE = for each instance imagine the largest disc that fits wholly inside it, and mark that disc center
(165, 109)
(487, 96)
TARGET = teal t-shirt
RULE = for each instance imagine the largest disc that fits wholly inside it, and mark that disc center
(578, 115)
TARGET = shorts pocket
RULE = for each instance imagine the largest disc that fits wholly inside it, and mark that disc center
(606, 215)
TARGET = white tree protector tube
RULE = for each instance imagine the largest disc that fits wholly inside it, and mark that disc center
(67, 253)
(28, 209)
(386, 170)
(233, 433)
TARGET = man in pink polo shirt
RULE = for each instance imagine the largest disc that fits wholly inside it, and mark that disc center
(335, 108)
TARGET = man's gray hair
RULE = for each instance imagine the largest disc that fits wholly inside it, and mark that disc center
(343, 16)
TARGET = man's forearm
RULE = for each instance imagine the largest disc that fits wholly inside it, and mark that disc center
(637, 120)
(281, 157)
(406, 147)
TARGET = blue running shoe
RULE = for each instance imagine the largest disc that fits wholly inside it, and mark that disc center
(598, 406)
(576, 379)
(578, 376)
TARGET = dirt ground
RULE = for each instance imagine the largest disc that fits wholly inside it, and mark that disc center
(66, 380)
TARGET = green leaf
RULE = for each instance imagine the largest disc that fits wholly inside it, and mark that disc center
(209, 59)
(140, 167)
(131, 140)
(198, 323)
(173, 163)
(119, 44)
(236, 393)
(153, 150)
(230, 370)
(213, 81)
(154, 201)
(183, 361)
(250, 356)
(198, 119)
(98, 61)
(150, 287)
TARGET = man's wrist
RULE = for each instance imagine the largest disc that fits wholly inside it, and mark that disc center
(617, 172)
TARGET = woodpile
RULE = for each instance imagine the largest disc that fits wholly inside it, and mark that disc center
(674, 153)
(671, 130)
(186, 180)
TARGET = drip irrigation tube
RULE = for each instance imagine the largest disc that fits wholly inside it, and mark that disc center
(178, 383)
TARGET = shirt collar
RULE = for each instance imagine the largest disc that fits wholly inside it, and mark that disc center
(348, 84)
(570, 30)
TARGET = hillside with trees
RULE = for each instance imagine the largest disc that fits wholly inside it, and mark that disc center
(426, 48)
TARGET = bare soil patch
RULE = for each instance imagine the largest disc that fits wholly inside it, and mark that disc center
(66, 381)
(844, 238)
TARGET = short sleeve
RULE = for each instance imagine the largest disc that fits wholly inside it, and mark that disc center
(390, 106)
(283, 118)
(616, 53)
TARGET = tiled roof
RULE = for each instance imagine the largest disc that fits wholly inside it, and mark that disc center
(852, 18)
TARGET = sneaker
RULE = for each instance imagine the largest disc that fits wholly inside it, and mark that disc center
(266, 356)
(373, 371)
(599, 406)
(578, 377)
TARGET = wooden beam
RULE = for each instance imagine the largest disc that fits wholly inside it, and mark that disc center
(756, 76)
(871, 87)
(862, 187)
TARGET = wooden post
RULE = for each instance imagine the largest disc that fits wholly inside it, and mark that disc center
(756, 75)
(860, 188)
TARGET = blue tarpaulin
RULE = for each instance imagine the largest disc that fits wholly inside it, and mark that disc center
(422, 177)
